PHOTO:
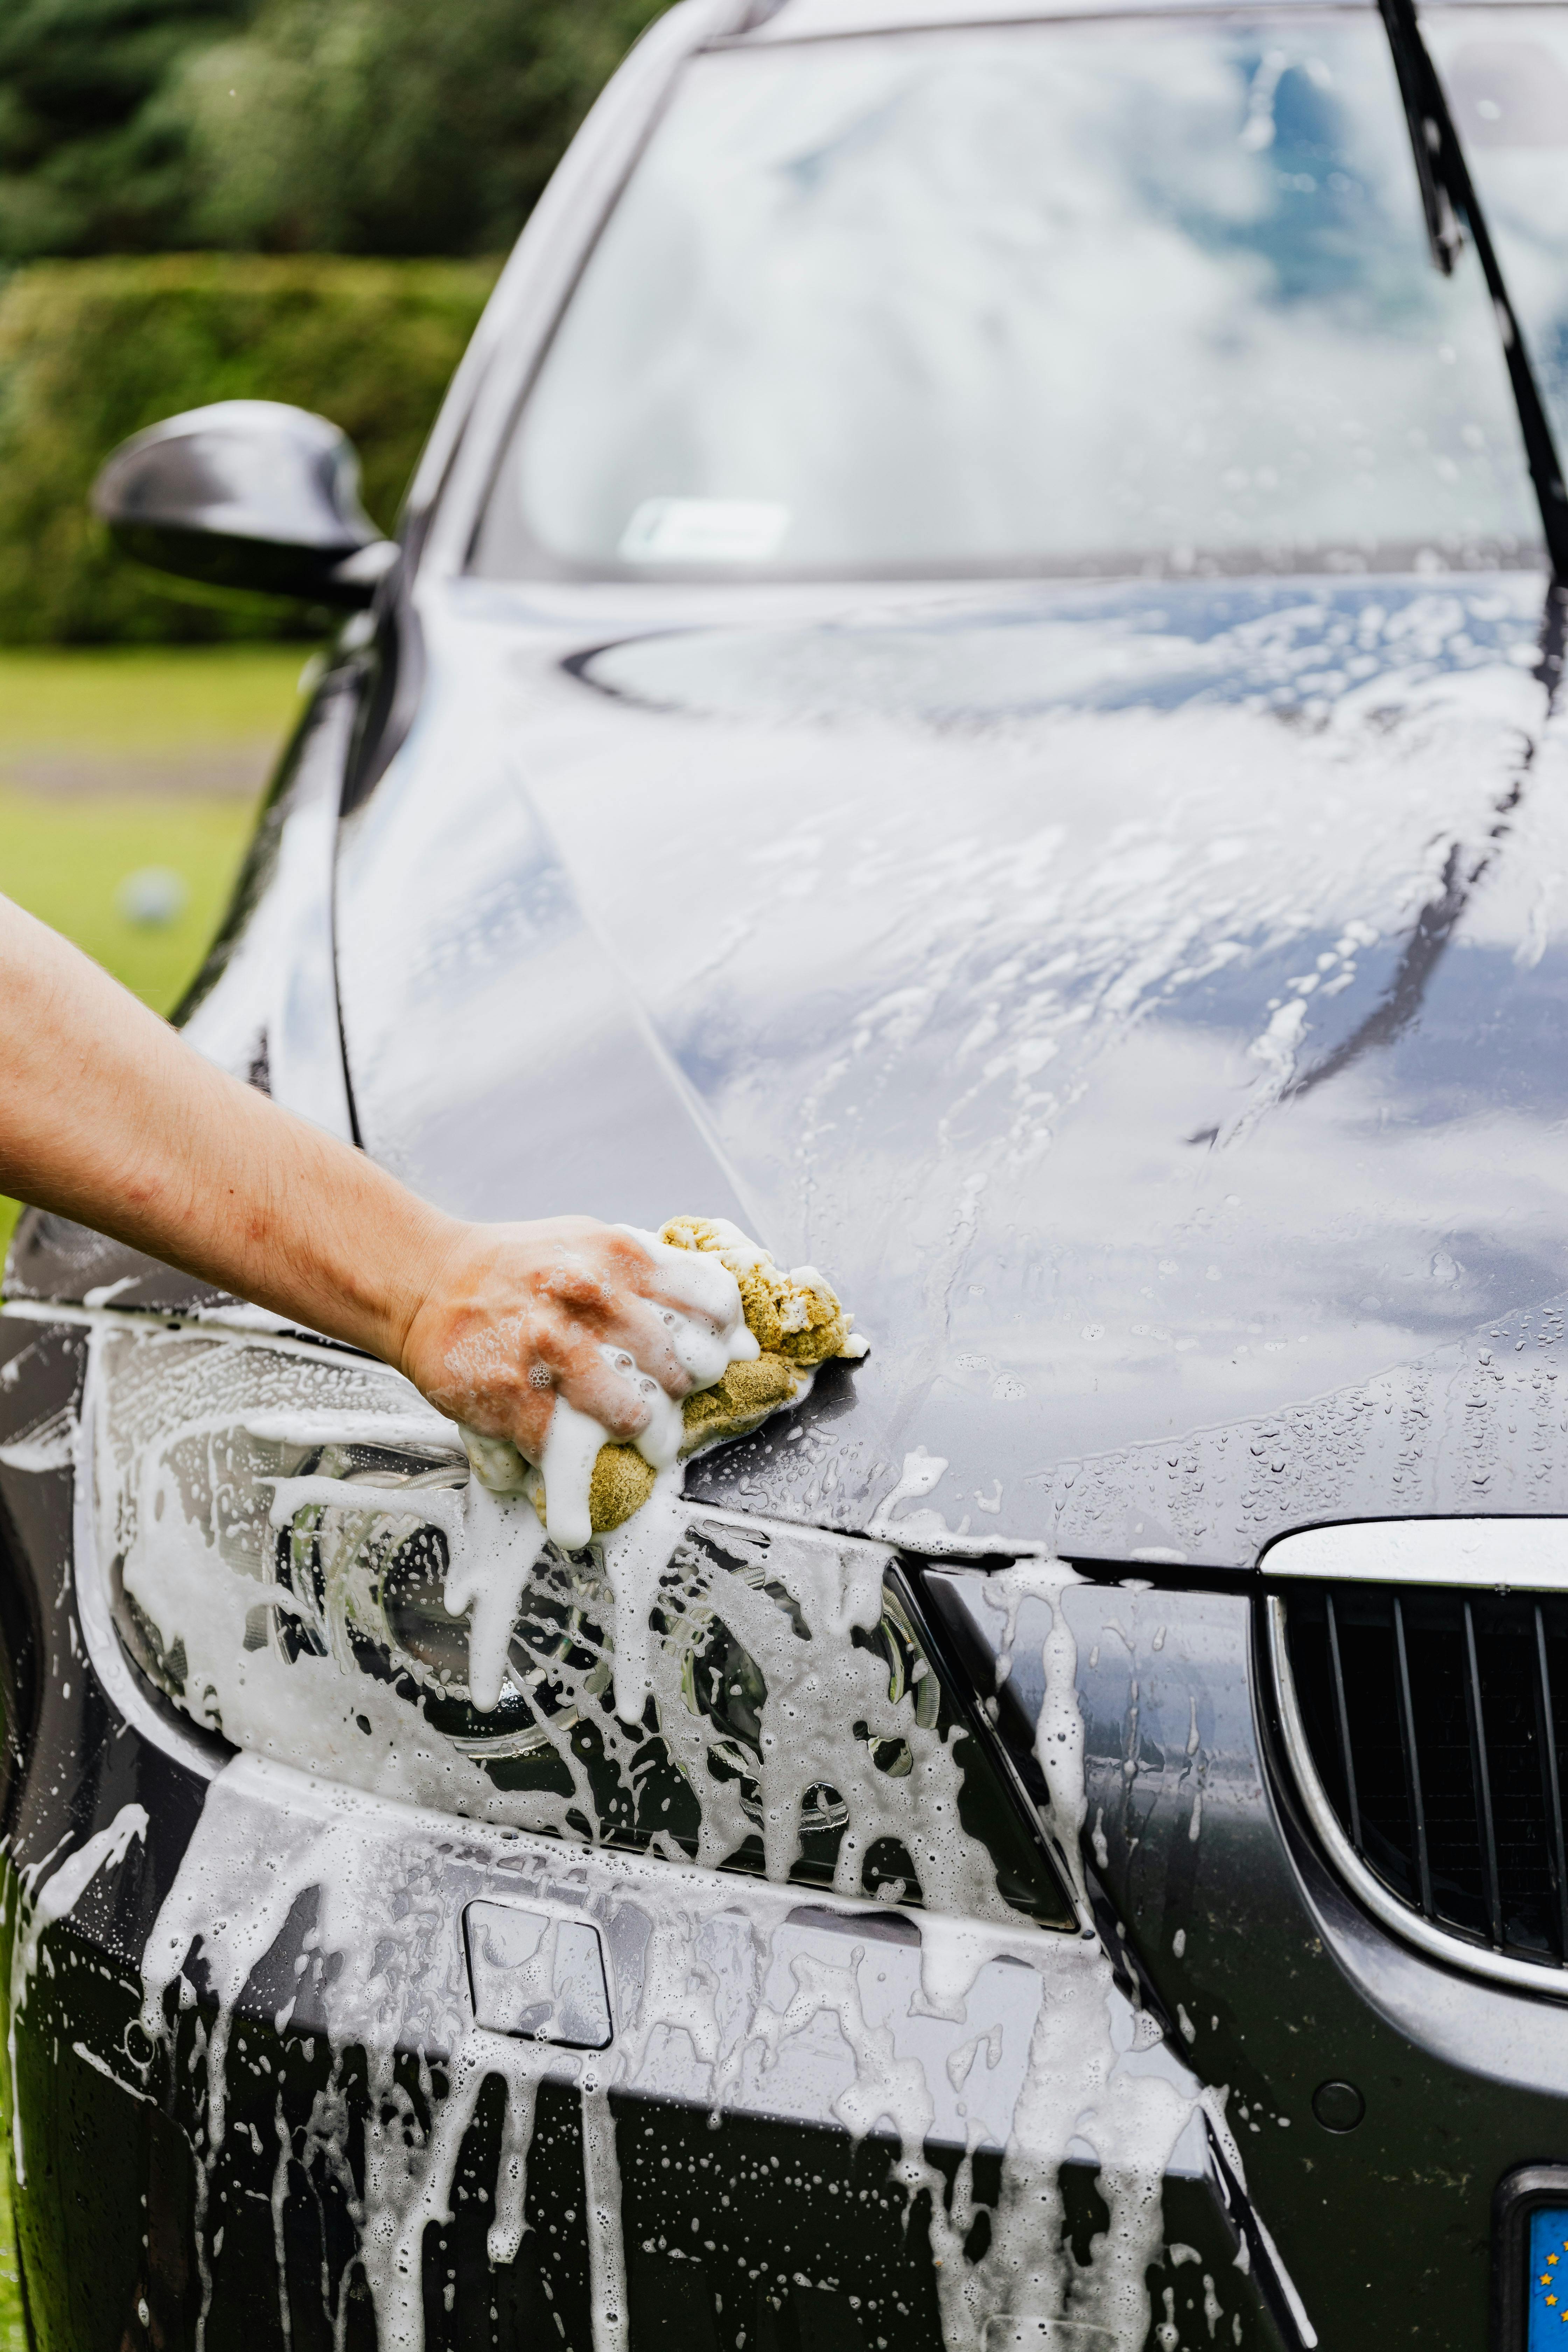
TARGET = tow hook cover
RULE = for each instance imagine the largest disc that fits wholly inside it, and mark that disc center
(536, 1976)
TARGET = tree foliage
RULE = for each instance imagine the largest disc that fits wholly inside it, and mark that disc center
(96, 143)
(347, 126)
(283, 131)
(391, 126)
(93, 350)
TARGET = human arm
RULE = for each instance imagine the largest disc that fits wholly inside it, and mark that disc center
(109, 1117)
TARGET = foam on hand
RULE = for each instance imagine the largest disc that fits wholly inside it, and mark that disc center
(750, 1350)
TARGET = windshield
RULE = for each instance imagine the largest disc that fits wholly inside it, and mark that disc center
(1506, 71)
(1077, 299)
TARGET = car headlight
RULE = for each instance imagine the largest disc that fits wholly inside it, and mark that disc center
(297, 1557)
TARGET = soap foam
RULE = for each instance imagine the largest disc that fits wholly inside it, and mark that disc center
(704, 1344)
(195, 1507)
(724, 1972)
(752, 1348)
(776, 2014)
(40, 1908)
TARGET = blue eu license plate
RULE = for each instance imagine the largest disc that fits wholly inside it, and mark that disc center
(1548, 2299)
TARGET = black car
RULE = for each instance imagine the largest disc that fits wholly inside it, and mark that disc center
(969, 682)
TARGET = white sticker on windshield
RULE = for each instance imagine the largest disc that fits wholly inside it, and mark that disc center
(704, 530)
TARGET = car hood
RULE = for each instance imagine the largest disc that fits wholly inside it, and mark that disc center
(1144, 1002)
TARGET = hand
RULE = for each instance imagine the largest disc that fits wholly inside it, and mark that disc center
(540, 1340)
(619, 1326)
(109, 1116)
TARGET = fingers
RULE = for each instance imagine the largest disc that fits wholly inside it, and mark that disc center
(666, 1344)
(676, 1312)
(619, 1325)
(689, 1282)
(684, 1321)
(609, 1385)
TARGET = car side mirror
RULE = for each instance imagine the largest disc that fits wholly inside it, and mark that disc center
(246, 493)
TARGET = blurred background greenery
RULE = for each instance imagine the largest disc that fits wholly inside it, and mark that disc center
(12, 2331)
(128, 784)
(93, 350)
(298, 200)
(301, 200)
(290, 126)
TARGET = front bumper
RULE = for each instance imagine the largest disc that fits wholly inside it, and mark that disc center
(1206, 1874)
(798, 2125)
(265, 2081)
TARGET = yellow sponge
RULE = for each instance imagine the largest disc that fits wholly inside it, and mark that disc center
(797, 1322)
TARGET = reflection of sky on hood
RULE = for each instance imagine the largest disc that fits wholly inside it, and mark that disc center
(951, 1002)
(1029, 292)
(1021, 1035)
(1408, 1232)
(1002, 996)
(1298, 649)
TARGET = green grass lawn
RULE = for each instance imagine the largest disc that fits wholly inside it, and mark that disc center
(13, 2334)
(144, 700)
(102, 724)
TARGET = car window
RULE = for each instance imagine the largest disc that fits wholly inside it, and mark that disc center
(1507, 76)
(1073, 298)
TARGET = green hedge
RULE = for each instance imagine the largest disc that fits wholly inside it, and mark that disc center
(93, 350)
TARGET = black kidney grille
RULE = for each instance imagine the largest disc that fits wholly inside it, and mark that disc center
(1438, 1724)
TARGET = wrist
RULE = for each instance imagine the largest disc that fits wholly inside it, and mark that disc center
(422, 1281)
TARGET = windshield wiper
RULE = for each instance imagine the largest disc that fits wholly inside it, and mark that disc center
(1448, 200)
